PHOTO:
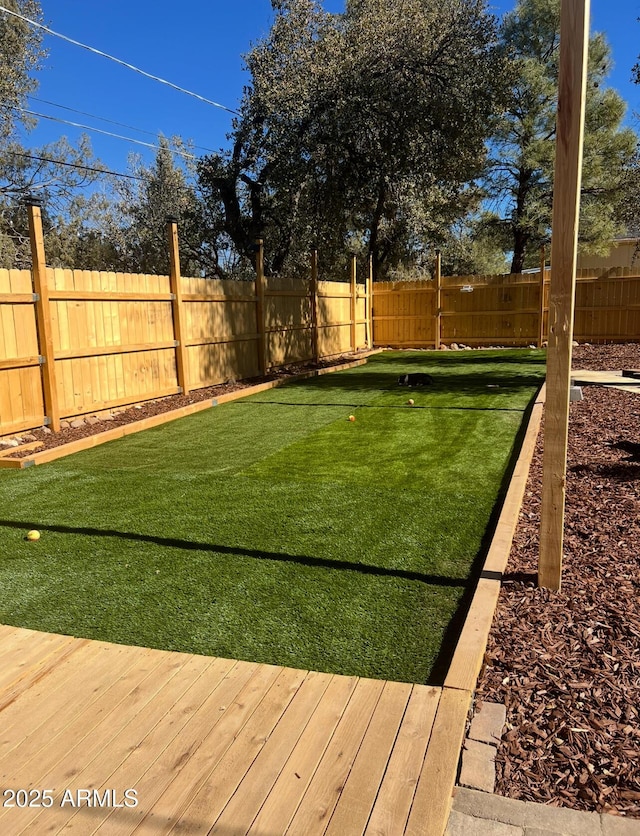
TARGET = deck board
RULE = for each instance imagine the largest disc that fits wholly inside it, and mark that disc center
(210, 745)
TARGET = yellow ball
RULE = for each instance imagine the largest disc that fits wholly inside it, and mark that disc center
(33, 535)
(410, 401)
(352, 417)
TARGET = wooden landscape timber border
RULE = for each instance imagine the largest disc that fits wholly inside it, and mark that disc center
(162, 418)
(445, 744)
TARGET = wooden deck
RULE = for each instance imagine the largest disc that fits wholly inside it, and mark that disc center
(215, 745)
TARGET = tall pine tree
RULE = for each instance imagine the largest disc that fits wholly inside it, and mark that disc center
(523, 147)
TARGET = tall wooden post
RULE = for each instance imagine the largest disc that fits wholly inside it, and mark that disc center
(262, 343)
(541, 303)
(370, 304)
(354, 291)
(574, 42)
(438, 303)
(176, 304)
(43, 314)
(315, 342)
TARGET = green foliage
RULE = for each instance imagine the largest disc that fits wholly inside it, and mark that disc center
(272, 528)
(20, 55)
(359, 129)
(46, 172)
(523, 146)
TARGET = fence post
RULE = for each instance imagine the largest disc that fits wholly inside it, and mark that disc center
(369, 309)
(438, 280)
(574, 40)
(176, 304)
(353, 301)
(314, 305)
(43, 314)
(262, 348)
(541, 306)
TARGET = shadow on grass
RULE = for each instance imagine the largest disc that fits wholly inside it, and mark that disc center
(189, 545)
(373, 384)
(452, 634)
(386, 406)
(442, 358)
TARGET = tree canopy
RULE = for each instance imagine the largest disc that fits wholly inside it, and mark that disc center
(385, 131)
(520, 177)
(363, 130)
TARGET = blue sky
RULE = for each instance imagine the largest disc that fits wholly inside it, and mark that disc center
(199, 46)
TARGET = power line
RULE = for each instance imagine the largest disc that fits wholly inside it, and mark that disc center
(117, 60)
(76, 165)
(100, 131)
(109, 121)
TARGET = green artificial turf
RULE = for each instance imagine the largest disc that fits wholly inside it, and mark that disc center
(273, 528)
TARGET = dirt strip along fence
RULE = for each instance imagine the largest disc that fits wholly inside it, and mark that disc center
(507, 310)
(78, 342)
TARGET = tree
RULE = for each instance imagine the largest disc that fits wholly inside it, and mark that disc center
(362, 129)
(20, 55)
(523, 146)
(54, 172)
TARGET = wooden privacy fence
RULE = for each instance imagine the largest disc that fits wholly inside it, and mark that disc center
(78, 342)
(502, 310)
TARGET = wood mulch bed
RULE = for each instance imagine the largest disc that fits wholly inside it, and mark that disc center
(567, 664)
(129, 415)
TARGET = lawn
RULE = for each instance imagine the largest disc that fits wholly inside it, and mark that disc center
(274, 529)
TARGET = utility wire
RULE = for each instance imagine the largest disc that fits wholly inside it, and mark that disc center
(100, 131)
(76, 165)
(109, 121)
(117, 60)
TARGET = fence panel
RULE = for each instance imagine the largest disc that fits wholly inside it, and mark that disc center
(334, 318)
(504, 310)
(404, 314)
(490, 311)
(608, 307)
(221, 331)
(113, 339)
(21, 398)
(287, 321)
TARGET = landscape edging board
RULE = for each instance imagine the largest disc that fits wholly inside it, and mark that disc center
(165, 417)
(471, 646)
(438, 778)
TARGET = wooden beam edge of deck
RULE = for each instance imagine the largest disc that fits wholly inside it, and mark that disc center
(434, 793)
(163, 418)
(472, 644)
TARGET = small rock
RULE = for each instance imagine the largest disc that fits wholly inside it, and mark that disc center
(444, 347)
(11, 442)
(28, 437)
(64, 425)
(45, 430)
(79, 422)
(575, 343)
(533, 346)
(138, 406)
(107, 417)
(454, 347)
(92, 420)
